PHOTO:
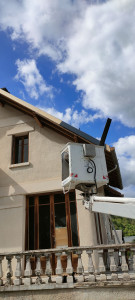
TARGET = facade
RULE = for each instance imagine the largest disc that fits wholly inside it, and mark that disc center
(32, 201)
(34, 212)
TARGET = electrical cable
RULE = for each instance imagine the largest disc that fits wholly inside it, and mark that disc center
(94, 168)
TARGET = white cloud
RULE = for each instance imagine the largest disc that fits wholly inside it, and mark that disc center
(126, 146)
(79, 118)
(125, 149)
(28, 74)
(96, 43)
(71, 116)
(64, 116)
(101, 55)
(44, 24)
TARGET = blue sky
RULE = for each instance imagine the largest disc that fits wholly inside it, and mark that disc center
(75, 59)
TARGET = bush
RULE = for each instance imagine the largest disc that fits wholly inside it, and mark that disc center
(127, 225)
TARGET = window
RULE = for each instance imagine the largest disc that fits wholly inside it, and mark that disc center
(20, 149)
(51, 221)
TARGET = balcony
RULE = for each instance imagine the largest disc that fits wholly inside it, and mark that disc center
(104, 265)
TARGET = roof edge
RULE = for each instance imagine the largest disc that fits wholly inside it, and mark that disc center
(42, 114)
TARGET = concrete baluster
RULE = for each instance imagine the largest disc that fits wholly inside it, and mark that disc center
(113, 267)
(59, 269)
(80, 266)
(124, 266)
(48, 270)
(90, 262)
(18, 271)
(28, 271)
(133, 254)
(132, 272)
(91, 276)
(69, 269)
(101, 265)
(1, 271)
(38, 270)
(9, 270)
(79, 277)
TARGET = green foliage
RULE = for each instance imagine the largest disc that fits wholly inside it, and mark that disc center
(127, 225)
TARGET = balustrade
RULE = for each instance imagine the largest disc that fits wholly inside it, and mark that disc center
(22, 273)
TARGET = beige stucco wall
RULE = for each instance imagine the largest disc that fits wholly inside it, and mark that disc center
(12, 216)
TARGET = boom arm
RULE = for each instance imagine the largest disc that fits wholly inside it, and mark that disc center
(123, 207)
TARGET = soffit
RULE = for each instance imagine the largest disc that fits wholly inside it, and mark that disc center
(115, 179)
(110, 192)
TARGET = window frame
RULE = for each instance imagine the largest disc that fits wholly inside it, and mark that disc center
(52, 219)
(14, 139)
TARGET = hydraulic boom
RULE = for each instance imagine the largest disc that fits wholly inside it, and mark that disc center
(123, 207)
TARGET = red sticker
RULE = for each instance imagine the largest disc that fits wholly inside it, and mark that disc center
(71, 174)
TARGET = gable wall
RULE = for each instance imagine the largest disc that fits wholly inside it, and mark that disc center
(44, 170)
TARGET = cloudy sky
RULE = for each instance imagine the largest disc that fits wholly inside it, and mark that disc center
(76, 60)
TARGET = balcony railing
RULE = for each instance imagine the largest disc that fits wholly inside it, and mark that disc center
(68, 265)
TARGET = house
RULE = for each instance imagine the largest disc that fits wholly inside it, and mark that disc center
(34, 212)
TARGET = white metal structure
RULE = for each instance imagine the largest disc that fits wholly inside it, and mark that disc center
(83, 164)
(124, 207)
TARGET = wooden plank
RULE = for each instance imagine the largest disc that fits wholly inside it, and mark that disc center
(36, 223)
(52, 221)
(52, 232)
(68, 219)
(26, 224)
(2, 104)
(77, 221)
(22, 149)
(75, 138)
(28, 146)
(37, 121)
(13, 150)
(61, 236)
